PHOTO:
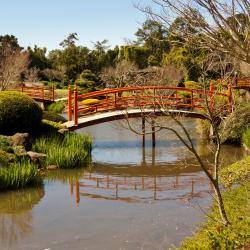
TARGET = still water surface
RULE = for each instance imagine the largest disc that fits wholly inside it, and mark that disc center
(127, 199)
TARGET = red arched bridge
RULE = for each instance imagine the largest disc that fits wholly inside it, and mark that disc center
(119, 103)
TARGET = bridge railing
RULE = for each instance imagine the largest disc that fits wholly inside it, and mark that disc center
(153, 97)
(38, 93)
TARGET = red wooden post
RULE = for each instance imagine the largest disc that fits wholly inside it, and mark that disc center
(69, 103)
(211, 93)
(154, 100)
(230, 106)
(75, 107)
(192, 99)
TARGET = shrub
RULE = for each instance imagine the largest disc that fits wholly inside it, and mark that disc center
(49, 128)
(18, 175)
(69, 151)
(90, 101)
(237, 173)
(246, 137)
(57, 107)
(235, 125)
(5, 144)
(51, 116)
(18, 113)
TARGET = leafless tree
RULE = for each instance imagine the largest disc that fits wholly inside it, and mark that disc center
(217, 25)
(13, 62)
(214, 114)
(165, 75)
(32, 75)
(121, 75)
(52, 74)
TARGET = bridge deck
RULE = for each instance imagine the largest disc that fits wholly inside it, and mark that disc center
(123, 114)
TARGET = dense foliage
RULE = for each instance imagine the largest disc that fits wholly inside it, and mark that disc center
(236, 124)
(18, 113)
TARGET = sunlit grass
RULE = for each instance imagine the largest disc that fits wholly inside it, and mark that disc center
(18, 175)
(70, 151)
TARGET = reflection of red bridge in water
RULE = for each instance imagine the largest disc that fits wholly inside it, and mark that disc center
(139, 189)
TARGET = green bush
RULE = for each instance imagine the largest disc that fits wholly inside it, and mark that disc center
(69, 151)
(235, 125)
(18, 175)
(57, 107)
(18, 113)
(237, 173)
(51, 116)
(5, 144)
(49, 128)
(246, 137)
(6, 158)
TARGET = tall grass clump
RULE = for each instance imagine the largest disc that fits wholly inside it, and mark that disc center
(18, 175)
(68, 151)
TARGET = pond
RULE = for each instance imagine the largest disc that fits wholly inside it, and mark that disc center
(129, 198)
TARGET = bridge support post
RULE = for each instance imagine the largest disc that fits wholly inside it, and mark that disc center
(153, 133)
(143, 132)
(75, 107)
(230, 106)
(69, 103)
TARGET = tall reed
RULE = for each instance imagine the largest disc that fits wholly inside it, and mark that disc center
(18, 175)
(70, 151)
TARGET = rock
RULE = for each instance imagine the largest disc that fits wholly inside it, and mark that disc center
(22, 139)
(63, 130)
(36, 157)
(52, 167)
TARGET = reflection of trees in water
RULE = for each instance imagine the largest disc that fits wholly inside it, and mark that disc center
(16, 214)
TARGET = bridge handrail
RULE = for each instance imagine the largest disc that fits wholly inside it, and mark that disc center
(127, 89)
(118, 101)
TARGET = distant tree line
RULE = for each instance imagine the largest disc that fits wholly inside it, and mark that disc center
(157, 48)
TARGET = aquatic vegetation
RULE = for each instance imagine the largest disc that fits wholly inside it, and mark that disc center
(18, 175)
(68, 151)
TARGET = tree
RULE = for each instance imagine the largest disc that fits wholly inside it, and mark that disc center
(13, 62)
(38, 58)
(135, 54)
(31, 75)
(214, 115)
(119, 76)
(221, 26)
(153, 36)
(69, 41)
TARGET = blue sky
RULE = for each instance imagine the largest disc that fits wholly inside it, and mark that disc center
(47, 22)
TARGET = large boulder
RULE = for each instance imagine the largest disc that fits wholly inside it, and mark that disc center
(23, 140)
(36, 157)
